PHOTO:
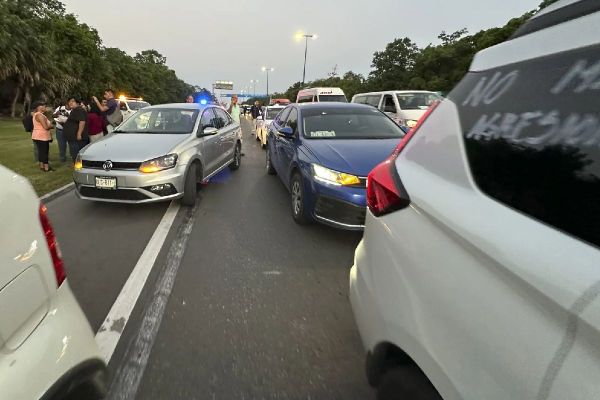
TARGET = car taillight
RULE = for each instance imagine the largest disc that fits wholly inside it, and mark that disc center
(385, 192)
(57, 261)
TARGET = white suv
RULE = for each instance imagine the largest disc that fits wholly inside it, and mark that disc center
(478, 276)
(47, 349)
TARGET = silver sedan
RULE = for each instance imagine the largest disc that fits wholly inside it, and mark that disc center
(160, 153)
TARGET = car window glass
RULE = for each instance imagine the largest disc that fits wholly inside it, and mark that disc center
(360, 99)
(537, 151)
(292, 120)
(220, 118)
(387, 105)
(123, 106)
(208, 119)
(281, 118)
(163, 120)
(373, 100)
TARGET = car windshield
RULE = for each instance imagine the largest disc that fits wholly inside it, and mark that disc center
(349, 123)
(416, 100)
(161, 120)
(136, 105)
(272, 113)
(333, 98)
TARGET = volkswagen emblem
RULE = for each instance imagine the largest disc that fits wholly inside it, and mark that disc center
(107, 166)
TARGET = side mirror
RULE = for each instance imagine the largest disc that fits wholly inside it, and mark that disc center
(287, 132)
(208, 131)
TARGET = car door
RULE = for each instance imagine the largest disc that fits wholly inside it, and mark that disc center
(210, 147)
(287, 146)
(227, 134)
(389, 107)
(278, 123)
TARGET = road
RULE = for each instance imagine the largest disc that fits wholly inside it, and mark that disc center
(241, 303)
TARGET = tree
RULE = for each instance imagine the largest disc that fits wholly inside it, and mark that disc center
(392, 66)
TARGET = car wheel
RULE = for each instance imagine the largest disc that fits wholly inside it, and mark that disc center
(297, 199)
(406, 383)
(237, 158)
(190, 190)
(270, 167)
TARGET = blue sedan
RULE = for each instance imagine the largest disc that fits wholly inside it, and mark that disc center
(323, 153)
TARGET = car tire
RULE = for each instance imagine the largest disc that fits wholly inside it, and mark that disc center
(190, 189)
(237, 158)
(297, 199)
(270, 167)
(406, 383)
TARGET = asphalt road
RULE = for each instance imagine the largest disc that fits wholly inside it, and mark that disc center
(241, 303)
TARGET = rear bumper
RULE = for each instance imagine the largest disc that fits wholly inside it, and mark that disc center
(61, 349)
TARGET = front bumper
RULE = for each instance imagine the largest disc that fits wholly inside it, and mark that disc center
(61, 350)
(132, 186)
(339, 206)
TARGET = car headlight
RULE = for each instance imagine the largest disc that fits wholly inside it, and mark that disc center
(159, 163)
(78, 162)
(333, 177)
(411, 123)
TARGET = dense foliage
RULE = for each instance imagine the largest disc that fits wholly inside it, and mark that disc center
(47, 53)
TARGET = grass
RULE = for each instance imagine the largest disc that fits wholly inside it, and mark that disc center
(16, 153)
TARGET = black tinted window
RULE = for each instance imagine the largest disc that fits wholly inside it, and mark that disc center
(292, 120)
(532, 133)
(222, 120)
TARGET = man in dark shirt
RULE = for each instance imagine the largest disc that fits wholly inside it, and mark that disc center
(111, 109)
(257, 114)
(75, 130)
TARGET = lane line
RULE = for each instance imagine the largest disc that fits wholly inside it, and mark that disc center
(109, 334)
(131, 369)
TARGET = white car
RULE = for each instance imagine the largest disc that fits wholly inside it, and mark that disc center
(130, 105)
(478, 276)
(47, 349)
(262, 131)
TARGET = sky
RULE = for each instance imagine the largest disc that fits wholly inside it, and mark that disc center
(205, 41)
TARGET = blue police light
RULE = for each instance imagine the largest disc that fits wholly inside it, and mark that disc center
(203, 101)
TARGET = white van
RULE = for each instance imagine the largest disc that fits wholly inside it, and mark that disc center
(314, 95)
(403, 106)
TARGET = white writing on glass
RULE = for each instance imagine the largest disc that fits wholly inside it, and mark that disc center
(580, 78)
(489, 91)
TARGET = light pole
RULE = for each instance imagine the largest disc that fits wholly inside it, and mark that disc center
(267, 70)
(254, 82)
(299, 37)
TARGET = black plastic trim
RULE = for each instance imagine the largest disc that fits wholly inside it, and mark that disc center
(564, 14)
(86, 381)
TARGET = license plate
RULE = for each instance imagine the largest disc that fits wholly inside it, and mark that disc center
(106, 183)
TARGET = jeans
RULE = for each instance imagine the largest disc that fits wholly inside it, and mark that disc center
(62, 145)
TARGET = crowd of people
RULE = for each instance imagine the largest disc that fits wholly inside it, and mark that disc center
(77, 123)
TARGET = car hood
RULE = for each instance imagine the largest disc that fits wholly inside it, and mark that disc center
(132, 147)
(357, 157)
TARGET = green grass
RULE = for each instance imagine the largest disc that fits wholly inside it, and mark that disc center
(16, 153)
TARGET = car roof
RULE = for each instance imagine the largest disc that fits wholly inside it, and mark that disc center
(393, 91)
(330, 105)
(183, 106)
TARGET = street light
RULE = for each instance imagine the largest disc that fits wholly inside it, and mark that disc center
(267, 70)
(299, 36)
(254, 82)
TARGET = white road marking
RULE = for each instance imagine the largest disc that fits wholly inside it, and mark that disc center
(132, 367)
(109, 334)
(272, 272)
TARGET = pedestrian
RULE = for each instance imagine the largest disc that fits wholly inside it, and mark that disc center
(75, 129)
(41, 134)
(28, 126)
(256, 113)
(60, 117)
(234, 109)
(104, 120)
(189, 99)
(114, 116)
(95, 123)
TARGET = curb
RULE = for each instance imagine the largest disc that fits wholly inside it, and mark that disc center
(57, 193)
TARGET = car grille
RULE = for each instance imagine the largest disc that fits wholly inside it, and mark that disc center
(116, 165)
(340, 211)
(118, 194)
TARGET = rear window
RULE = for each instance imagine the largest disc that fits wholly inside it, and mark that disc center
(416, 101)
(332, 98)
(532, 134)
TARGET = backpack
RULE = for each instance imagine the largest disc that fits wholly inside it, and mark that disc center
(28, 123)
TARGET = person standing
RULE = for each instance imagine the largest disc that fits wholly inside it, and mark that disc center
(189, 99)
(234, 109)
(60, 117)
(95, 123)
(41, 135)
(256, 113)
(75, 129)
(114, 116)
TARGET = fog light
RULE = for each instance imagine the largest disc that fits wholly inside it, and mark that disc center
(160, 188)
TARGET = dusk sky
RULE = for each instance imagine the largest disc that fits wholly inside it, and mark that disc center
(231, 40)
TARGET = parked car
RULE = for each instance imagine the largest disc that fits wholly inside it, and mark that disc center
(130, 105)
(323, 152)
(403, 106)
(47, 348)
(317, 95)
(269, 114)
(477, 276)
(160, 153)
